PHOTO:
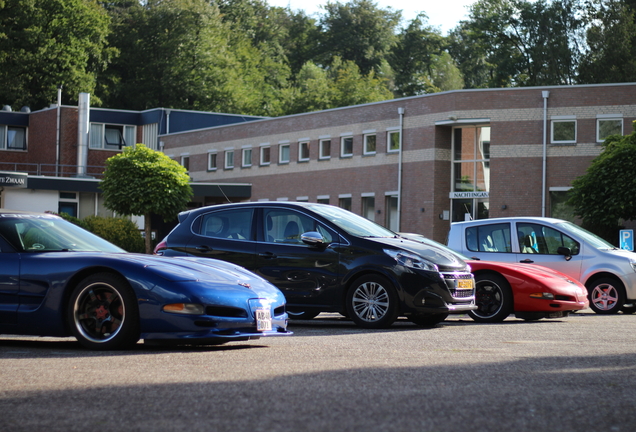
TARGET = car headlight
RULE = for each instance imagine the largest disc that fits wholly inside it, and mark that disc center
(410, 260)
(632, 262)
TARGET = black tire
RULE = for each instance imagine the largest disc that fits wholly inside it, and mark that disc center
(493, 297)
(607, 295)
(427, 320)
(372, 302)
(103, 314)
(629, 309)
(302, 315)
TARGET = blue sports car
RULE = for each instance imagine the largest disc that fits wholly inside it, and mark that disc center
(57, 279)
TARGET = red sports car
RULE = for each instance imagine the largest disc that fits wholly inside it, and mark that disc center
(529, 291)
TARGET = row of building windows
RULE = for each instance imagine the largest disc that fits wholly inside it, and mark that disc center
(284, 151)
(563, 129)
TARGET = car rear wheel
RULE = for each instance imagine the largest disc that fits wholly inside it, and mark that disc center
(103, 314)
(493, 297)
(607, 295)
(427, 320)
(372, 302)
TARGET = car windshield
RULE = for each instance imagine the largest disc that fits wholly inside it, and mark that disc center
(45, 233)
(351, 222)
(584, 234)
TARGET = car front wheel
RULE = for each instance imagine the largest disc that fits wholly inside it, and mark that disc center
(607, 295)
(493, 297)
(103, 314)
(372, 302)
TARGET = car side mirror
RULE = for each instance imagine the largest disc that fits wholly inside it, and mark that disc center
(566, 252)
(312, 238)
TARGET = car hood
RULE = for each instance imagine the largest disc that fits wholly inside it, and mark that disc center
(445, 259)
(183, 269)
(528, 270)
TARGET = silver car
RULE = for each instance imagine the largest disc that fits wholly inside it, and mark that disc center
(608, 273)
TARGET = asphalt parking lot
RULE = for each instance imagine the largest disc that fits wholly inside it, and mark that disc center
(572, 374)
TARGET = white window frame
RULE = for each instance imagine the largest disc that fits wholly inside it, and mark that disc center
(366, 141)
(563, 119)
(128, 135)
(262, 150)
(4, 138)
(303, 145)
(281, 152)
(607, 117)
(185, 161)
(389, 134)
(343, 139)
(324, 143)
(212, 161)
(246, 153)
(229, 159)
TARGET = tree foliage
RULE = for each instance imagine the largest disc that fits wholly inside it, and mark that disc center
(141, 181)
(604, 195)
(247, 57)
(45, 44)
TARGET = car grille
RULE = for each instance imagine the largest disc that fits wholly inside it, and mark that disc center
(225, 311)
(451, 284)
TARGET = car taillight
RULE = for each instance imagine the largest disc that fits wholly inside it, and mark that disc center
(161, 246)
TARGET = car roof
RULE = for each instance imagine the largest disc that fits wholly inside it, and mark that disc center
(291, 204)
(511, 219)
(9, 212)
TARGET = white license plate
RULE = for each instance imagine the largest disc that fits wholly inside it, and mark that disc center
(263, 320)
(464, 284)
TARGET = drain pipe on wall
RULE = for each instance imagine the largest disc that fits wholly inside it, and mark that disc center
(546, 95)
(399, 197)
(57, 136)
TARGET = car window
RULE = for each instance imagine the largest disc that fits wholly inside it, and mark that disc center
(228, 224)
(537, 238)
(286, 226)
(489, 238)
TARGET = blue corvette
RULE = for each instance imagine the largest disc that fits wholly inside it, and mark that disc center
(57, 279)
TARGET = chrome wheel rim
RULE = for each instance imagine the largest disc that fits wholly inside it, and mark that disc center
(604, 297)
(99, 312)
(370, 302)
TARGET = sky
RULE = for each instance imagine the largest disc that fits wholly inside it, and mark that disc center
(444, 14)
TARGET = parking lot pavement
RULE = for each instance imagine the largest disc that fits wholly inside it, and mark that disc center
(572, 374)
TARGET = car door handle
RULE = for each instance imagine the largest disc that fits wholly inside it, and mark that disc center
(526, 261)
(204, 248)
(267, 255)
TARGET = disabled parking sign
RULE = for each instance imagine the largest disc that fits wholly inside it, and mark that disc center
(627, 239)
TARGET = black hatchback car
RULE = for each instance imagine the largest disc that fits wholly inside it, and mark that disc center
(327, 259)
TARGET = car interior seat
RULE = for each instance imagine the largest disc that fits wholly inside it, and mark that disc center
(292, 232)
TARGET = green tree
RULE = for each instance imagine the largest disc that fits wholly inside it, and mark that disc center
(140, 181)
(413, 58)
(611, 38)
(358, 31)
(48, 43)
(522, 42)
(606, 193)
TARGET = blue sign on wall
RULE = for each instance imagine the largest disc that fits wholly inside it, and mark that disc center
(627, 239)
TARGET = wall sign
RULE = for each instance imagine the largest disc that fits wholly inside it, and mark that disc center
(13, 179)
(467, 195)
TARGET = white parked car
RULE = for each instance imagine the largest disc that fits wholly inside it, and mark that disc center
(608, 273)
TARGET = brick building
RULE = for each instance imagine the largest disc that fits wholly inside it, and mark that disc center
(465, 153)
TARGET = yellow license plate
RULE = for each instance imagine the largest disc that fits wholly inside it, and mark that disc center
(464, 284)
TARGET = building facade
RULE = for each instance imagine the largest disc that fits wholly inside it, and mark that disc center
(417, 164)
(53, 159)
